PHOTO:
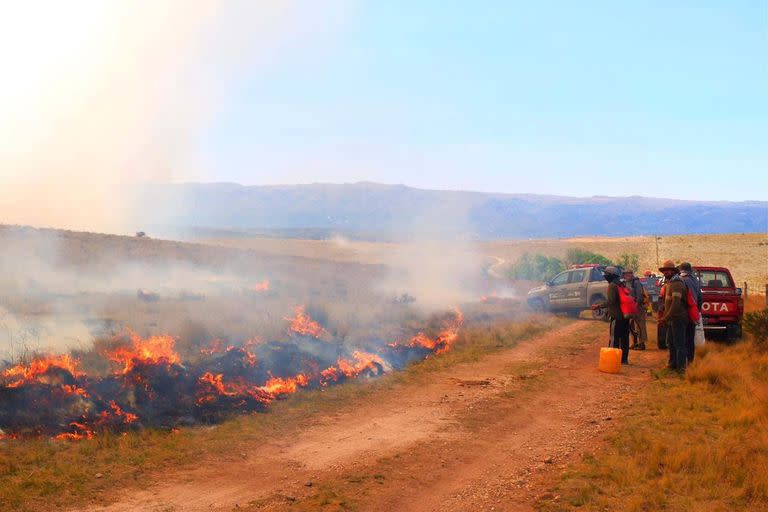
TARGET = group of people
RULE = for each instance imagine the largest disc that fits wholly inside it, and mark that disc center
(627, 302)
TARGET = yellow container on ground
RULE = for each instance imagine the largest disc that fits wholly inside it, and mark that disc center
(610, 360)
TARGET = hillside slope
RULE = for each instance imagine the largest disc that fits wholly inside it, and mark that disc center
(375, 211)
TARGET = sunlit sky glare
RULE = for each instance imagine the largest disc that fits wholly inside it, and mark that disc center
(651, 98)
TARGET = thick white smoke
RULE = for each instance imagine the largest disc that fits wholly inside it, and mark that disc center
(96, 95)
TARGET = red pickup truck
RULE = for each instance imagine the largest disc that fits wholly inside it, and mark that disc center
(723, 306)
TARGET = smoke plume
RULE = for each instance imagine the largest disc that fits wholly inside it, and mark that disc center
(99, 95)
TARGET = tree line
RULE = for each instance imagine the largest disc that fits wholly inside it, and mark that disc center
(539, 267)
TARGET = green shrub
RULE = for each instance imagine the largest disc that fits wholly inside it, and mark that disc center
(536, 268)
(581, 256)
(629, 261)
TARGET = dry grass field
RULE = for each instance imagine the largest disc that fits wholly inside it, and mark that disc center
(486, 425)
(746, 255)
(693, 443)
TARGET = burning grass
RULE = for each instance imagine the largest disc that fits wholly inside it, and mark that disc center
(699, 443)
(149, 385)
(38, 473)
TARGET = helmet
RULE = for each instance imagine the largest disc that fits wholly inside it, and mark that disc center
(647, 273)
(611, 270)
(685, 266)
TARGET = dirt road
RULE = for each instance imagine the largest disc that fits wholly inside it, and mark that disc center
(486, 435)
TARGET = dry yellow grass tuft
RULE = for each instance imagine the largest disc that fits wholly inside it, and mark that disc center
(699, 443)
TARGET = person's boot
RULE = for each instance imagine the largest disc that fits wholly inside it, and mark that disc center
(641, 346)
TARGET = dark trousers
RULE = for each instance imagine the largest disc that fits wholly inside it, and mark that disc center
(690, 334)
(678, 344)
(619, 333)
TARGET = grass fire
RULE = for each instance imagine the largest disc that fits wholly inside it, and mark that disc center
(136, 382)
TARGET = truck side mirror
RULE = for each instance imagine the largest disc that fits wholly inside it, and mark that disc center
(738, 291)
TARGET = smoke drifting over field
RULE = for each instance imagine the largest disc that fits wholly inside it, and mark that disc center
(101, 97)
(211, 332)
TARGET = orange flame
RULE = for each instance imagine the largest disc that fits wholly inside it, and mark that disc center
(216, 386)
(217, 347)
(261, 287)
(118, 412)
(444, 340)
(303, 324)
(153, 350)
(349, 369)
(36, 369)
(84, 433)
(283, 386)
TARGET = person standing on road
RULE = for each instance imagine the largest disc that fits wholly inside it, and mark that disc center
(619, 328)
(675, 315)
(693, 284)
(637, 292)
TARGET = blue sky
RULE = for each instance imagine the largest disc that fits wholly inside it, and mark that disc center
(573, 98)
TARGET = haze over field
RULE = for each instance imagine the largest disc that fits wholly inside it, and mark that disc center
(394, 212)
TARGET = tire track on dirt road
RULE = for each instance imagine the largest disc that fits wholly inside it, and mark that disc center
(471, 437)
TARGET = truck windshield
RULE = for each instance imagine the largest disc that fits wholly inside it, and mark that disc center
(715, 279)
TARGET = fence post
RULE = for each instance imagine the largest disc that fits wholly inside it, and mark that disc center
(766, 295)
(746, 290)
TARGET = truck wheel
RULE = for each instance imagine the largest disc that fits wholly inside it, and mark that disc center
(537, 305)
(732, 333)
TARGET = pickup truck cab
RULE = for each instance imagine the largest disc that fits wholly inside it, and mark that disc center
(723, 305)
(571, 291)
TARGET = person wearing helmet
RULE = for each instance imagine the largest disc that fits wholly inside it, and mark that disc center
(675, 315)
(637, 292)
(619, 327)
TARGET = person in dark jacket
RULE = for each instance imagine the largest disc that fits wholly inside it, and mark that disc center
(675, 315)
(637, 292)
(693, 284)
(619, 328)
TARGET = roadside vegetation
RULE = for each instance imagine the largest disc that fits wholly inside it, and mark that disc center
(693, 443)
(539, 267)
(38, 474)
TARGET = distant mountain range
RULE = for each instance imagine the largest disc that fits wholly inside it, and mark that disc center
(374, 211)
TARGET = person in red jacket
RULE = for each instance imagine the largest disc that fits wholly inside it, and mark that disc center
(619, 328)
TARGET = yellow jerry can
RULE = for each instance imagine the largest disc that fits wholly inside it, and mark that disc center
(610, 360)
